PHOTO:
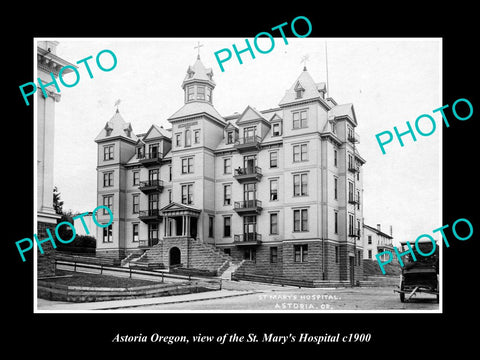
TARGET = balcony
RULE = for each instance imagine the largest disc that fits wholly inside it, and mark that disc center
(253, 173)
(150, 158)
(354, 232)
(246, 239)
(353, 199)
(248, 143)
(151, 186)
(353, 137)
(248, 207)
(149, 216)
(147, 243)
(353, 168)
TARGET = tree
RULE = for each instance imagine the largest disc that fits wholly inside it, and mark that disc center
(57, 202)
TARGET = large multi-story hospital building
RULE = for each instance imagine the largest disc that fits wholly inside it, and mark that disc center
(279, 189)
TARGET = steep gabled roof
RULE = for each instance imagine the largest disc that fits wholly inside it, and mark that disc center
(343, 110)
(250, 114)
(116, 127)
(304, 82)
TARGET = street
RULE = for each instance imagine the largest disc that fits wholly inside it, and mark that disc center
(256, 297)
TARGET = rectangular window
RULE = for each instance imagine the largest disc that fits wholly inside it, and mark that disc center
(108, 152)
(300, 119)
(227, 166)
(336, 222)
(108, 234)
(274, 159)
(190, 92)
(170, 173)
(210, 226)
(136, 203)
(187, 194)
(274, 224)
(359, 257)
(350, 224)
(335, 157)
(108, 202)
(209, 94)
(301, 253)
(196, 136)
(273, 254)
(188, 138)
(227, 226)
(230, 138)
(152, 231)
(187, 165)
(369, 254)
(300, 185)
(276, 130)
(335, 188)
(300, 153)
(337, 254)
(153, 175)
(358, 199)
(250, 254)
(350, 161)
(350, 191)
(169, 196)
(274, 190)
(227, 194)
(153, 201)
(108, 179)
(135, 232)
(300, 220)
(178, 139)
(136, 178)
(249, 133)
(369, 239)
(201, 92)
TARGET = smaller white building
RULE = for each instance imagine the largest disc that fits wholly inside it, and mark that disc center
(376, 241)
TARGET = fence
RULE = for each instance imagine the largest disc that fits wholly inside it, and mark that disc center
(213, 284)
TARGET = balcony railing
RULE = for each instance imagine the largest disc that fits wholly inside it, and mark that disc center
(248, 207)
(354, 168)
(151, 186)
(353, 137)
(248, 142)
(247, 238)
(151, 215)
(355, 232)
(248, 174)
(353, 199)
(150, 158)
(148, 242)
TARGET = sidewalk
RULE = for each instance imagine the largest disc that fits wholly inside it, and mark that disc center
(47, 305)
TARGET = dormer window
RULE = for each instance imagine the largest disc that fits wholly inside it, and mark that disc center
(230, 137)
(299, 91)
(128, 132)
(277, 129)
(108, 131)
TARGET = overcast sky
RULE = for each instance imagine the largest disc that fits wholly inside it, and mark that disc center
(389, 81)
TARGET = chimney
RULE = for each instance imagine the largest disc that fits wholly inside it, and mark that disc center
(391, 230)
(379, 227)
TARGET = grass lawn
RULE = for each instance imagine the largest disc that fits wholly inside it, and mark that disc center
(97, 280)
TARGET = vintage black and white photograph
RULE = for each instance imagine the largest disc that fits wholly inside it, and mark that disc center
(209, 175)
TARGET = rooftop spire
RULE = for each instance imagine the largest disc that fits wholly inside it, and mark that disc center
(198, 47)
(304, 60)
